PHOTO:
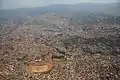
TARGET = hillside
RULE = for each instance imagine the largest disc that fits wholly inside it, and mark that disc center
(66, 9)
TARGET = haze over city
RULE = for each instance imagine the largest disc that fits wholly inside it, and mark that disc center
(10, 4)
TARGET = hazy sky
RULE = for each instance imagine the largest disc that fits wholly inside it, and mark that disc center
(34, 3)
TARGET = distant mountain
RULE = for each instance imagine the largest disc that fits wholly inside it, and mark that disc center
(66, 9)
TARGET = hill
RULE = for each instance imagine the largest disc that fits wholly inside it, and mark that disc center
(66, 9)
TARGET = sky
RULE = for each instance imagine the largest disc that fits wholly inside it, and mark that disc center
(10, 4)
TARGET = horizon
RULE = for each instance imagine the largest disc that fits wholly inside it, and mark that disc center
(51, 5)
(14, 4)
